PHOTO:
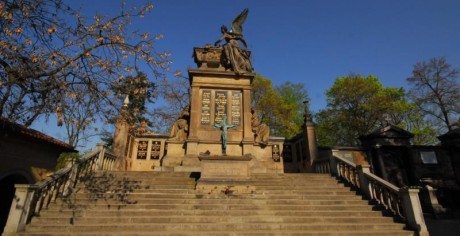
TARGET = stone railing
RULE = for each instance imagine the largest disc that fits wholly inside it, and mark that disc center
(30, 199)
(402, 202)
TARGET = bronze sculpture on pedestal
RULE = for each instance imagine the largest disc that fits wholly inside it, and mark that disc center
(234, 56)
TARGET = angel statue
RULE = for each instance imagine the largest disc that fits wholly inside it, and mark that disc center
(235, 57)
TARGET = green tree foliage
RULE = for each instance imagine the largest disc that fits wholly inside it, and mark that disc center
(413, 120)
(50, 53)
(140, 91)
(67, 159)
(436, 92)
(281, 107)
(357, 105)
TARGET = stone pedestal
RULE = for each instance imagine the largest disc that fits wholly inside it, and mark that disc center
(225, 174)
(175, 154)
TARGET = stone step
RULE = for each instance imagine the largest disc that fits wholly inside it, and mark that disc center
(67, 212)
(154, 195)
(199, 227)
(206, 219)
(139, 187)
(245, 233)
(191, 190)
(297, 183)
(145, 173)
(302, 188)
(166, 203)
(268, 202)
(124, 206)
(261, 183)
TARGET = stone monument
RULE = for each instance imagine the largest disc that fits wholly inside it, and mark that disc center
(220, 123)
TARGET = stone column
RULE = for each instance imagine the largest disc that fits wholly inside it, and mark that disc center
(194, 113)
(120, 137)
(310, 133)
(311, 141)
(20, 209)
(248, 136)
(333, 164)
(100, 158)
(413, 210)
(363, 180)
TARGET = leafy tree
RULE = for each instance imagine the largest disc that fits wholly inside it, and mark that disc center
(436, 91)
(356, 106)
(50, 53)
(281, 107)
(413, 120)
(293, 97)
(140, 91)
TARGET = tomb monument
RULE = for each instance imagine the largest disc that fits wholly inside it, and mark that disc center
(219, 124)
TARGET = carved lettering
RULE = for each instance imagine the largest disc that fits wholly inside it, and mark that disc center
(236, 108)
(276, 153)
(206, 107)
(155, 150)
(142, 150)
(220, 106)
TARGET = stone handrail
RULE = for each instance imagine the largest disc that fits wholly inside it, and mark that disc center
(30, 199)
(402, 202)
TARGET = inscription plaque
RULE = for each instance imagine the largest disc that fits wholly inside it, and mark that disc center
(220, 106)
(276, 153)
(142, 150)
(236, 108)
(155, 150)
(206, 107)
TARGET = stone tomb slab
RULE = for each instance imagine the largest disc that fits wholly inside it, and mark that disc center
(225, 174)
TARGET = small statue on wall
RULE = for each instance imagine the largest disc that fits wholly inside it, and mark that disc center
(179, 129)
(261, 130)
(234, 56)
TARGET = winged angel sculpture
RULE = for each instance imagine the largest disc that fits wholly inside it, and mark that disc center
(235, 57)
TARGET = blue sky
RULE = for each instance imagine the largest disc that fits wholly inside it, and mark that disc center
(309, 42)
(314, 42)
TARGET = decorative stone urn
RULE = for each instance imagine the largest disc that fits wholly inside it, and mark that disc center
(208, 57)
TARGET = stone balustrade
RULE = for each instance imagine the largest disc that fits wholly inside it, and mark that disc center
(402, 202)
(30, 199)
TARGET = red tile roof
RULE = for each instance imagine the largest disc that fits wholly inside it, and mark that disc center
(6, 125)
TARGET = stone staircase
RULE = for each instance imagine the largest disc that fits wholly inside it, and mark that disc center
(165, 203)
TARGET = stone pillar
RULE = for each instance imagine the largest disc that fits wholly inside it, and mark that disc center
(310, 133)
(20, 209)
(333, 164)
(413, 210)
(311, 141)
(247, 130)
(432, 201)
(194, 113)
(363, 181)
(120, 137)
(100, 158)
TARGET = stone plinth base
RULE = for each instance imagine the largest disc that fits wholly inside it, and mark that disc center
(225, 174)
(225, 187)
(176, 153)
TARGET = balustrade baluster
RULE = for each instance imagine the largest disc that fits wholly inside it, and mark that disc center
(59, 183)
(40, 196)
